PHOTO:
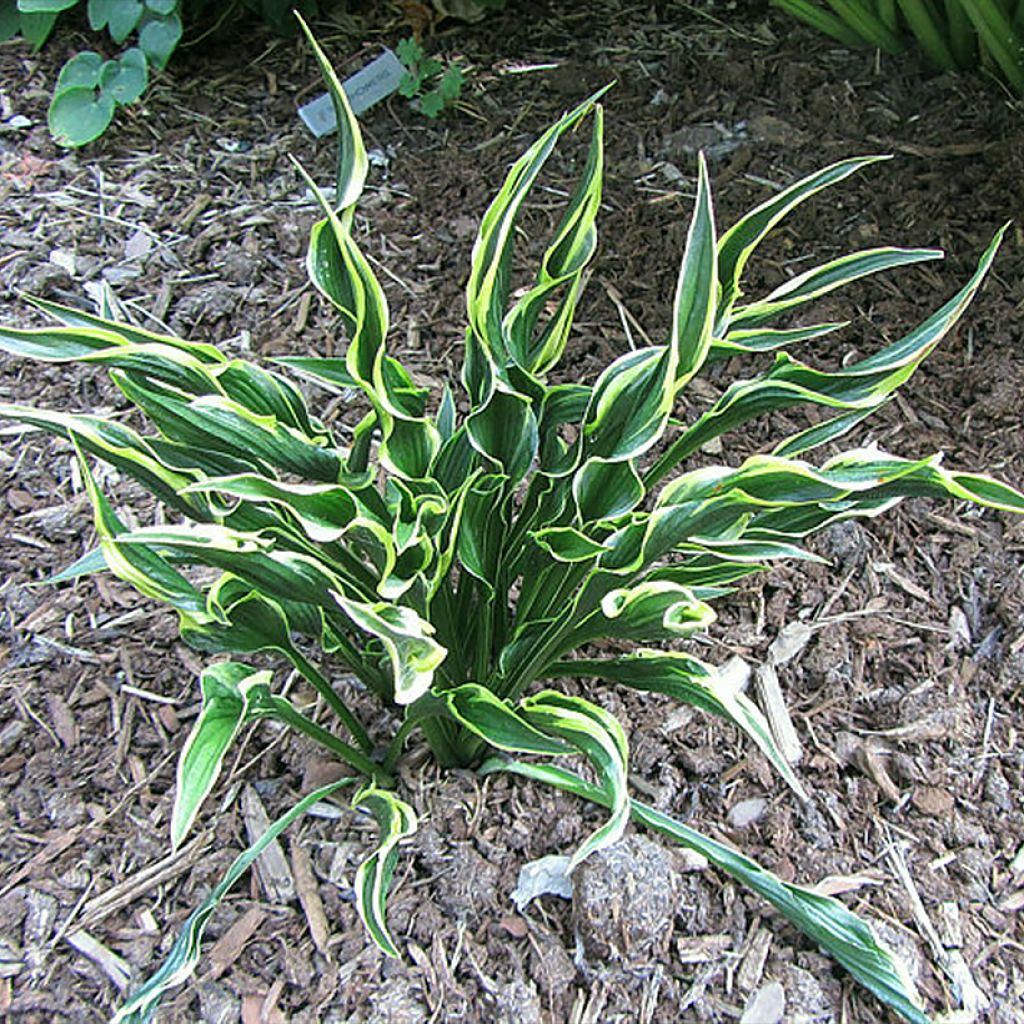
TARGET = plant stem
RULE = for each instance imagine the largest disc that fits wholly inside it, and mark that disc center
(336, 704)
(283, 710)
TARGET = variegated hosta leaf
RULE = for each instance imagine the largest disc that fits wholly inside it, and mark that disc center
(561, 271)
(397, 821)
(606, 489)
(551, 723)
(487, 290)
(814, 283)
(243, 620)
(599, 736)
(630, 404)
(285, 575)
(504, 429)
(693, 315)
(693, 682)
(863, 386)
(767, 339)
(225, 688)
(221, 424)
(738, 243)
(126, 332)
(838, 931)
(185, 953)
(352, 160)
(143, 568)
(406, 638)
(494, 720)
(120, 447)
(650, 611)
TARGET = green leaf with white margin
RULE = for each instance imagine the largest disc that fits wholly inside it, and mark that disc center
(566, 544)
(862, 386)
(495, 722)
(487, 290)
(144, 569)
(397, 821)
(693, 682)
(653, 610)
(605, 490)
(767, 339)
(126, 332)
(225, 708)
(505, 430)
(414, 655)
(837, 930)
(352, 159)
(184, 954)
(561, 270)
(738, 243)
(598, 734)
(693, 313)
(120, 447)
(630, 404)
(818, 281)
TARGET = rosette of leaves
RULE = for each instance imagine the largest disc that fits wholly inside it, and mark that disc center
(461, 554)
(433, 84)
(89, 89)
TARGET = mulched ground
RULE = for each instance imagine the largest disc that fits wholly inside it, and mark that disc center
(906, 691)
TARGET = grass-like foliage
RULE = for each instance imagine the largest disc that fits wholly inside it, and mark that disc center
(460, 554)
(952, 34)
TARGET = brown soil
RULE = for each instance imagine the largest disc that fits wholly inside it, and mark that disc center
(906, 698)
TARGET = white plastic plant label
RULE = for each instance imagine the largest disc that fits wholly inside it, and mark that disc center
(369, 85)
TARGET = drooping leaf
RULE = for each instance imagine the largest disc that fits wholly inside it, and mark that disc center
(396, 820)
(691, 681)
(177, 968)
(598, 734)
(225, 706)
(839, 932)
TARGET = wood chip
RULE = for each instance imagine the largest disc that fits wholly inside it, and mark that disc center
(271, 867)
(765, 1006)
(309, 897)
(703, 949)
(766, 682)
(752, 966)
(115, 968)
(64, 724)
(227, 949)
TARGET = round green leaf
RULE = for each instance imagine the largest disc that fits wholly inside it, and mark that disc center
(158, 37)
(78, 115)
(123, 80)
(162, 6)
(82, 70)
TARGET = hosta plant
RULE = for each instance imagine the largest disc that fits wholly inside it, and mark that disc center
(459, 554)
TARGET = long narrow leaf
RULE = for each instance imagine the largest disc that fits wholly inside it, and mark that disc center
(184, 954)
(838, 931)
